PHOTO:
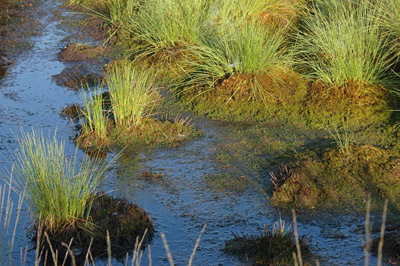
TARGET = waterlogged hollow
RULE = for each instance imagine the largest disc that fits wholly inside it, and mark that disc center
(175, 193)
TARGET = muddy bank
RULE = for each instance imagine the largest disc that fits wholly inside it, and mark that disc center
(17, 25)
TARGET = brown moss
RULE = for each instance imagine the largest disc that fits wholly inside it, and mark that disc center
(72, 111)
(78, 76)
(270, 248)
(123, 220)
(339, 179)
(80, 52)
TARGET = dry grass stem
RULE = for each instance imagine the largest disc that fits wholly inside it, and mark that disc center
(382, 234)
(296, 235)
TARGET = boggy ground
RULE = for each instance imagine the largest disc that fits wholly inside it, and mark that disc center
(123, 221)
(150, 133)
(339, 177)
(15, 28)
(84, 65)
(289, 96)
(271, 247)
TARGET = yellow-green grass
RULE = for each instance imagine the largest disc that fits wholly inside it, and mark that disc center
(59, 189)
(132, 93)
(342, 41)
(94, 113)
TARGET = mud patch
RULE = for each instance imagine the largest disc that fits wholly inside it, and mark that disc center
(391, 247)
(78, 76)
(16, 26)
(81, 52)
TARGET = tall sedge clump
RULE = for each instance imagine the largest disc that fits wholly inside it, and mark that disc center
(59, 189)
(281, 12)
(389, 11)
(132, 93)
(250, 48)
(96, 120)
(342, 41)
(162, 24)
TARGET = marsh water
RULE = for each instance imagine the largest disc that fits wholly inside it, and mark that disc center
(179, 202)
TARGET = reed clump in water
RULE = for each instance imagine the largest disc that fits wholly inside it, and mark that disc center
(121, 116)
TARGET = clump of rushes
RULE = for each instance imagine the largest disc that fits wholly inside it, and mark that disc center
(277, 12)
(132, 94)
(96, 119)
(248, 49)
(163, 24)
(342, 41)
(245, 72)
(273, 247)
(59, 190)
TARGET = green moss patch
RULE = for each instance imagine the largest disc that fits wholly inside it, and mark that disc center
(339, 178)
(361, 105)
(150, 133)
(287, 95)
(270, 248)
(242, 96)
(124, 222)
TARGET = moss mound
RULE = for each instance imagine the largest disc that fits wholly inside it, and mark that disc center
(150, 133)
(286, 95)
(270, 248)
(243, 96)
(362, 105)
(123, 220)
(339, 178)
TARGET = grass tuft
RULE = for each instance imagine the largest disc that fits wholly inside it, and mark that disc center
(342, 42)
(132, 93)
(96, 119)
(59, 190)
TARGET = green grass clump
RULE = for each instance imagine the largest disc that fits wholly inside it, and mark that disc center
(265, 11)
(342, 41)
(132, 93)
(162, 24)
(249, 49)
(96, 120)
(59, 190)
